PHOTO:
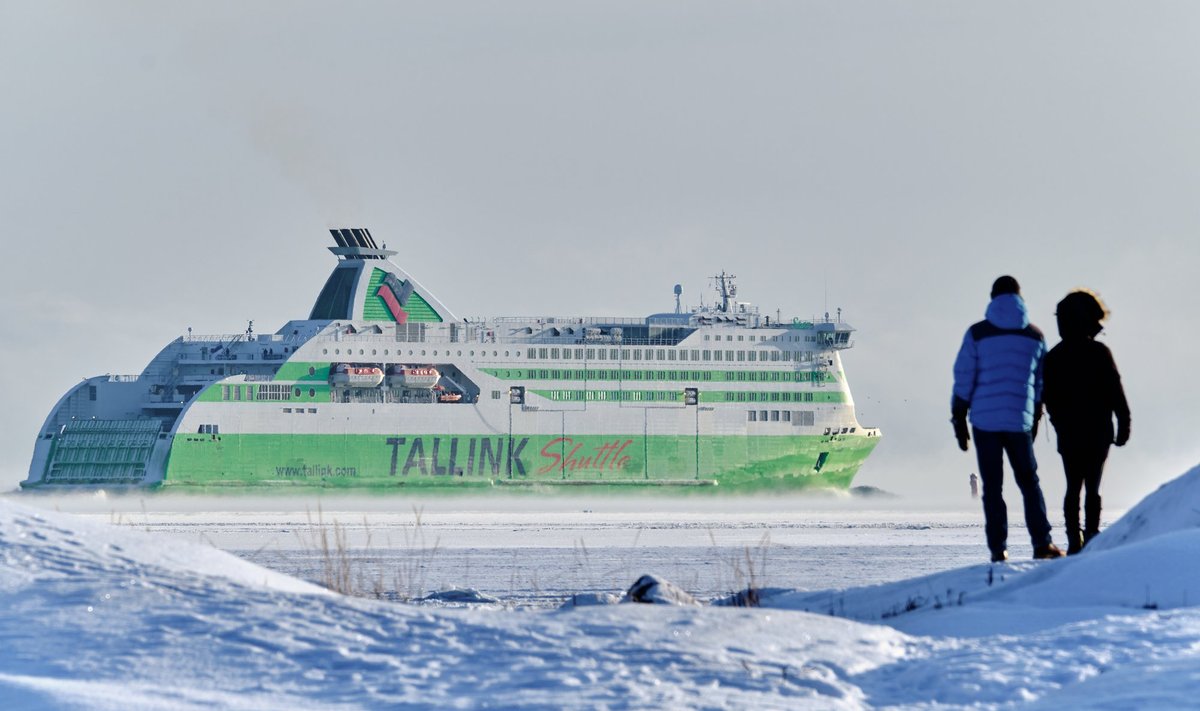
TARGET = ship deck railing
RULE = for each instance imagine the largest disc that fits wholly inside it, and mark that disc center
(564, 341)
(564, 321)
(231, 338)
(537, 339)
(213, 338)
(670, 320)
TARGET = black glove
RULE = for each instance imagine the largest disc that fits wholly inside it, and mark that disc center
(1037, 419)
(958, 417)
(1122, 433)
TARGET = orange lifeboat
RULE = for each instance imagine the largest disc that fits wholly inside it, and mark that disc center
(449, 397)
(357, 376)
(414, 378)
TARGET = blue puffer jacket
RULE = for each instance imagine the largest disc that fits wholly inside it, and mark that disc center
(999, 367)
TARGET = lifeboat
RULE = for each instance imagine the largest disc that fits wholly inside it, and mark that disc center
(351, 376)
(450, 397)
(419, 378)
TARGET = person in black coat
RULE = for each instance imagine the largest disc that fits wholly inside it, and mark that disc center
(1082, 393)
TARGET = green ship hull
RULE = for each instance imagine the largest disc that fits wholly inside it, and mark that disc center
(379, 462)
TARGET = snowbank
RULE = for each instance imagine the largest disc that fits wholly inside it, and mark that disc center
(1175, 506)
(99, 618)
(1147, 560)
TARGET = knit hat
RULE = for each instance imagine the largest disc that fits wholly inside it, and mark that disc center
(1005, 285)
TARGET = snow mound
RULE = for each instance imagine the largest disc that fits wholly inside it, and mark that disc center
(590, 600)
(40, 545)
(1149, 560)
(1158, 573)
(1174, 506)
(654, 590)
(460, 596)
(94, 617)
(750, 597)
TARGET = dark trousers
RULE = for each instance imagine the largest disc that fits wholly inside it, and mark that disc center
(990, 448)
(1084, 466)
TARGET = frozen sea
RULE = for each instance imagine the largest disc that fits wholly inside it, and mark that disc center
(537, 552)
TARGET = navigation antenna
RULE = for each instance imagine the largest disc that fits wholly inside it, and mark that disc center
(250, 330)
(678, 291)
(727, 288)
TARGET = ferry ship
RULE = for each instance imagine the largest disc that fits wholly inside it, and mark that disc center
(382, 386)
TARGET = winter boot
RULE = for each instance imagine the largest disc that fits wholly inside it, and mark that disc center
(1074, 541)
(1088, 535)
(999, 556)
(1047, 552)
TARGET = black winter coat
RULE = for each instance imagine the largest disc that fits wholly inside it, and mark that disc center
(1082, 393)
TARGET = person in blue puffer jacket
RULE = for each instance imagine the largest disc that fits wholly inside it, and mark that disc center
(998, 382)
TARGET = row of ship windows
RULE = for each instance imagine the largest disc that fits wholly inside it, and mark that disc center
(668, 354)
(612, 395)
(411, 352)
(774, 339)
(802, 418)
(268, 392)
(768, 397)
(664, 354)
(666, 395)
(789, 376)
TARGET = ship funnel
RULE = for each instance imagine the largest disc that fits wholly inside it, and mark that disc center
(357, 243)
(367, 286)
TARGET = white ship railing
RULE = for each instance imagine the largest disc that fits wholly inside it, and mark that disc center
(265, 338)
(561, 321)
(213, 338)
(669, 319)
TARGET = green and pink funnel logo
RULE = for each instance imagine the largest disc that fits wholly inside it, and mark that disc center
(392, 298)
(395, 295)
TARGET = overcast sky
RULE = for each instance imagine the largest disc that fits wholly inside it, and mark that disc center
(166, 165)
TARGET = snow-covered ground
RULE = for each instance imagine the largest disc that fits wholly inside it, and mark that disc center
(101, 616)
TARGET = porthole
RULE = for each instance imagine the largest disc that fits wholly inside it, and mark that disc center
(472, 354)
(312, 370)
(312, 392)
(324, 351)
(422, 352)
(460, 352)
(373, 351)
(337, 351)
(297, 392)
(360, 352)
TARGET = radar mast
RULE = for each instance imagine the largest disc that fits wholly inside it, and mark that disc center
(727, 288)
